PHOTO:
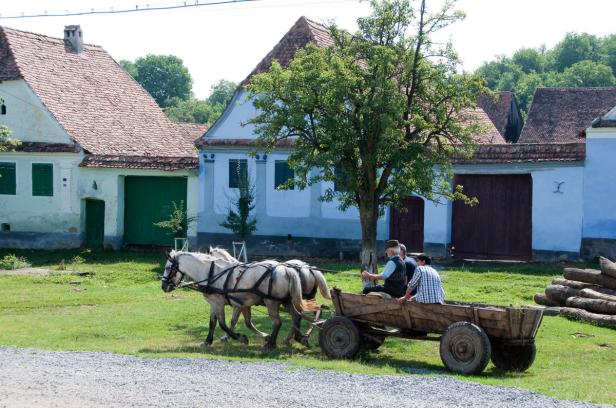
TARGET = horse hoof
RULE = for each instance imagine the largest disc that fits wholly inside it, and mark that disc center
(243, 339)
(224, 339)
(205, 345)
(304, 342)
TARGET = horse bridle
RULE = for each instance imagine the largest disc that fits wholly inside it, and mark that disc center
(174, 269)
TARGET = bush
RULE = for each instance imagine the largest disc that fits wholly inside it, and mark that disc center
(12, 261)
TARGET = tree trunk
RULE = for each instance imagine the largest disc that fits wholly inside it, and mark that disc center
(542, 299)
(590, 276)
(600, 293)
(369, 256)
(581, 314)
(593, 305)
(574, 284)
(560, 294)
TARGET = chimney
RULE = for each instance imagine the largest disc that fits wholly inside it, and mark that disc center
(74, 35)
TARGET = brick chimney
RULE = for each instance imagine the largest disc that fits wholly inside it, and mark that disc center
(74, 35)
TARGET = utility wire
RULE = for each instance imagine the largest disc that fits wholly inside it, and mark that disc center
(138, 8)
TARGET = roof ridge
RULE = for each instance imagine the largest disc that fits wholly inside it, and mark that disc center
(45, 36)
(575, 88)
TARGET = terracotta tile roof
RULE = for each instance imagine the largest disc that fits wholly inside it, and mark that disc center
(191, 132)
(497, 108)
(526, 153)
(98, 104)
(561, 115)
(205, 142)
(489, 134)
(304, 31)
(141, 162)
(39, 147)
(607, 120)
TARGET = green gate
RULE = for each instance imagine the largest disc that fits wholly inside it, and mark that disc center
(95, 222)
(148, 200)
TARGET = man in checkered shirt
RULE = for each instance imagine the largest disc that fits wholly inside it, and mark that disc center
(427, 282)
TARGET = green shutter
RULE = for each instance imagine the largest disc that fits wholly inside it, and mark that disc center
(237, 168)
(282, 173)
(8, 184)
(42, 179)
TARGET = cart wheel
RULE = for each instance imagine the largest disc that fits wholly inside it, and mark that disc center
(339, 337)
(513, 357)
(371, 342)
(465, 348)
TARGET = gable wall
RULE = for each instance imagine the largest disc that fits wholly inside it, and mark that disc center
(229, 125)
(27, 117)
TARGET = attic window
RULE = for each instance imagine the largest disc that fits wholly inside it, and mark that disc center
(3, 109)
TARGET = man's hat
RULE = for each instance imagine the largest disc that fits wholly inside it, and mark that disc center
(392, 243)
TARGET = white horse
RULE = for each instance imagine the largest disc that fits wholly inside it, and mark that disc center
(224, 282)
(311, 279)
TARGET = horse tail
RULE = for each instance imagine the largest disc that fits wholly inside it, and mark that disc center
(295, 289)
(321, 283)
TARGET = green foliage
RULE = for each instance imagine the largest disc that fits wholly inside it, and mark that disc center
(164, 76)
(578, 60)
(12, 261)
(221, 93)
(374, 107)
(7, 143)
(238, 219)
(195, 110)
(178, 222)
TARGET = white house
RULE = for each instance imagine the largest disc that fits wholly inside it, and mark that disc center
(542, 186)
(99, 161)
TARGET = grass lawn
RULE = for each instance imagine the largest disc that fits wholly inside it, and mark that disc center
(120, 308)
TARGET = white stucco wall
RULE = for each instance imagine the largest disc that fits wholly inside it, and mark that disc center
(437, 222)
(284, 203)
(233, 123)
(27, 213)
(27, 117)
(222, 193)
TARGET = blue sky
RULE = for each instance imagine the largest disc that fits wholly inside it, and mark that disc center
(228, 41)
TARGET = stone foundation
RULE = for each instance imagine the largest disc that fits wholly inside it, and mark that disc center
(595, 247)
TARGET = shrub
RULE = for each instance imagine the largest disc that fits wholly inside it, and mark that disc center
(12, 261)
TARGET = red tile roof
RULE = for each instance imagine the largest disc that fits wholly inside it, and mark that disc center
(303, 32)
(40, 147)
(141, 162)
(525, 153)
(497, 108)
(561, 115)
(98, 104)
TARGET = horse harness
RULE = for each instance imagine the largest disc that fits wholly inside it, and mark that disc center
(204, 286)
(313, 291)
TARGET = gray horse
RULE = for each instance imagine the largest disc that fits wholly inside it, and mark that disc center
(311, 279)
(225, 282)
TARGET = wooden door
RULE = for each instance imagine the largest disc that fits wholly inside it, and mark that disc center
(500, 226)
(95, 223)
(408, 226)
(148, 200)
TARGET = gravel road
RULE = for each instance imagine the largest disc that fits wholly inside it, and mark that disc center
(39, 378)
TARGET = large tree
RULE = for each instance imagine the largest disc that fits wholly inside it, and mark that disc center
(380, 113)
(164, 76)
(202, 110)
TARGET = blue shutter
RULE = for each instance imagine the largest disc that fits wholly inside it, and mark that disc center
(8, 183)
(42, 179)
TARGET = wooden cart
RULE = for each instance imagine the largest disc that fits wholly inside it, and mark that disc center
(469, 334)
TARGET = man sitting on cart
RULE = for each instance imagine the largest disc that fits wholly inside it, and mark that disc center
(426, 281)
(394, 274)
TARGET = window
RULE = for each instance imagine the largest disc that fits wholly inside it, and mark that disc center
(7, 178)
(42, 179)
(238, 169)
(341, 179)
(283, 173)
(3, 109)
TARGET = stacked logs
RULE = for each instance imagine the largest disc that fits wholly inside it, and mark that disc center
(584, 294)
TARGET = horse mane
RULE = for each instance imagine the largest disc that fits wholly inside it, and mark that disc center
(223, 253)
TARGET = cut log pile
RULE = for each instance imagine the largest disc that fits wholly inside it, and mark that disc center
(584, 294)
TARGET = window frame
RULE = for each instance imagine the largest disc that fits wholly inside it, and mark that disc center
(14, 177)
(233, 175)
(290, 175)
(51, 186)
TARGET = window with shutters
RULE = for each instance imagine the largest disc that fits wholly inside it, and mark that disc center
(42, 179)
(238, 169)
(8, 183)
(341, 179)
(283, 173)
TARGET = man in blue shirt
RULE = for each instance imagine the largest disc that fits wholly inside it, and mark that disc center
(408, 262)
(394, 274)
